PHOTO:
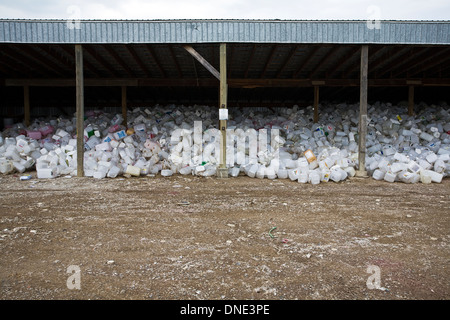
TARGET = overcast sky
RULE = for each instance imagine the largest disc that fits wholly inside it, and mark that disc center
(227, 9)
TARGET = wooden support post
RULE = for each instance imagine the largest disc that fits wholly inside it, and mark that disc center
(316, 104)
(26, 105)
(80, 108)
(362, 128)
(222, 171)
(411, 100)
(124, 106)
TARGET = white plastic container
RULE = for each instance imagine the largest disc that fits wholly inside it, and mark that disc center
(6, 166)
(435, 176)
(335, 175)
(389, 176)
(425, 177)
(303, 177)
(186, 170)
(234, 171)
(270, 173)
(325, 175)
(252, 171)
(426, 136)
(113, 172)
(261, 172)
(439, 166)
(293, 174)
(46, 173)
(134, 171)
(166, 172)
(431, 158)
(351, 172)
(378, 175)
(314, 177)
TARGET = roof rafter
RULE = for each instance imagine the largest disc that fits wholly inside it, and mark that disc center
(13, 65)
(87, 64)
(250, 61)
(138, 60)
(36, 55)
(434, 60)
(287, 61)
(21, 59)
(357, 66)
(410, 61)
(119, 60)
(307, 60)
(343, 60)
(269, 60)
(395, 63)
(175, 61)
(155, 59)
(324, 60)
(99, 59)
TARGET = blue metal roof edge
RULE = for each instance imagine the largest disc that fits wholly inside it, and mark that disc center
(226, 30)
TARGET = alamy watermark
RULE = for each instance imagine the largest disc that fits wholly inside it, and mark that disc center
(74, 280)
(74, 21)
(194, 147)
(374, 19)
(374, 280)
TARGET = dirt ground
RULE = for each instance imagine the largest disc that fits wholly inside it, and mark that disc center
(195, 238)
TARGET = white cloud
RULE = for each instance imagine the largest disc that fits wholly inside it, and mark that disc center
(228, 9)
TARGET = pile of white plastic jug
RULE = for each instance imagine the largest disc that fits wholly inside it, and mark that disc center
(281, 143)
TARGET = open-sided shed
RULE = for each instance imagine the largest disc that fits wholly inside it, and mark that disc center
(67, 64)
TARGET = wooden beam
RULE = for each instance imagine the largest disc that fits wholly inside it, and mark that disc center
(378, 66)
(21, 59)
(202, 61)
(252, 55)
(324, 60)
(342, 61)
(316, 104)
(175, 61)
(433, 60)
(86, 64)
(230, 59)
(306, 61)
(222, 171)
(362, 130)
(79, 109)
(56, 57)
(269, 60)
(124, 106)
(286, 62)
(37, 56)
(119, 60)
(440, 68)
(212, 82)
(156, 60)
(100, 60)
(411, 100)
(26, 105)
(355, 66)
(136, 58)
(425, 56)
(10, 67)
(395, 63)
(419, 53)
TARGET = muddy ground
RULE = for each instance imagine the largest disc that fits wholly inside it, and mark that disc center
(187, 237)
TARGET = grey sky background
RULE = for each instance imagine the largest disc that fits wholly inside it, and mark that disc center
(228, 9)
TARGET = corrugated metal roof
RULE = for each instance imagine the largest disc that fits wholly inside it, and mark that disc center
(231, 31)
